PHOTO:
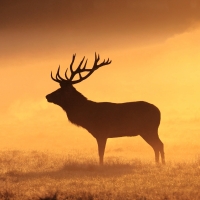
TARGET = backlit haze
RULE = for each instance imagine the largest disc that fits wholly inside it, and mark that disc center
(155, 51)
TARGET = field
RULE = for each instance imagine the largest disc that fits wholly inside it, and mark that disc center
(40, 175)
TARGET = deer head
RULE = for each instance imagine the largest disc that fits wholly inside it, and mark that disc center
(66, 90)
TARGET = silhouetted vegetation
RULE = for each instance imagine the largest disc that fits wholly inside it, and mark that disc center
(44, 176)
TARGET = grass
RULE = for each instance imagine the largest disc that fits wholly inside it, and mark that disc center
(44, 176)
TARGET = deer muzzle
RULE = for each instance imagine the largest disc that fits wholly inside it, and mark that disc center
(49, 99)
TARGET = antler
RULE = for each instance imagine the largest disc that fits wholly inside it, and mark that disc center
(79, 70)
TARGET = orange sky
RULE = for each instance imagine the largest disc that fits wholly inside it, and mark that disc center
(154, 48)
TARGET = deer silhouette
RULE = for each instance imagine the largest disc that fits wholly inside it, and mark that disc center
(104, 119)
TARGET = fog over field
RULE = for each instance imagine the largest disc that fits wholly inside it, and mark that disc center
(154, 47)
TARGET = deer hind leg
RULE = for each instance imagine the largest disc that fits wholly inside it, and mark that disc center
(161, 150)
(101, 148)
(158, 147)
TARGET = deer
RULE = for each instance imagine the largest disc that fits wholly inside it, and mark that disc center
(105, 120)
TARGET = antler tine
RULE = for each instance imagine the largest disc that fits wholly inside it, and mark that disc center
(108, 61)
(66, 74)
(97, 57)
(73, 58)
(58, 75)
(79, 67)
(54, 78)
(78, 70)
(85, 64)
(103, 63)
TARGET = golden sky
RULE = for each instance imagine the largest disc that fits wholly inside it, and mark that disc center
(155, 51)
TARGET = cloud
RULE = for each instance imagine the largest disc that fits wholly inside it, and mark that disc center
(39, 28)
(106, 17)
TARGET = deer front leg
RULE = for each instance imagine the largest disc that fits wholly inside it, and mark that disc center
(101, 148)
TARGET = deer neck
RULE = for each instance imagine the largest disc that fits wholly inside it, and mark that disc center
(75, 105)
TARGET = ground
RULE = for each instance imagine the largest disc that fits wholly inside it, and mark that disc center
(43, 175)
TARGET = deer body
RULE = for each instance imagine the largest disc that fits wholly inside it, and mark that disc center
(109, 120)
